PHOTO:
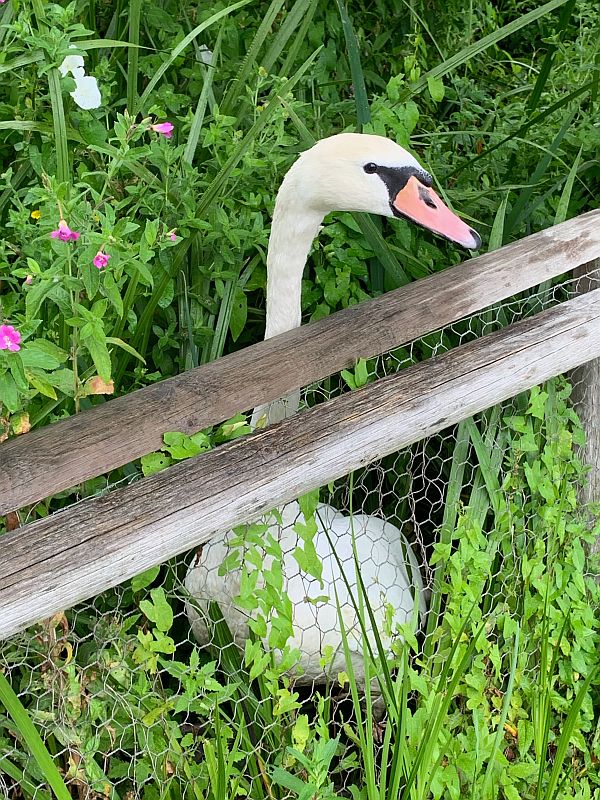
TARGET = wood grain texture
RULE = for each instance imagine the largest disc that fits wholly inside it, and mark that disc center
(586, 399)
(68, 452)
(54, 563)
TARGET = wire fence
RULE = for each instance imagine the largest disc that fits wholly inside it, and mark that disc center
(456, 566)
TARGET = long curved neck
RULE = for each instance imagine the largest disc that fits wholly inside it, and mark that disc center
(292, 232)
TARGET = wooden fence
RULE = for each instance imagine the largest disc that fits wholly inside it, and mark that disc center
(51, 564)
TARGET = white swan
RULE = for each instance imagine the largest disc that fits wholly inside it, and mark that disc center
(347, 172)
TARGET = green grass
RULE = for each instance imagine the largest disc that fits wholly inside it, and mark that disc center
(498, 695)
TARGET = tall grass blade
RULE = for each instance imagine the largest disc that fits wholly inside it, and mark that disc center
(498, 739)
(20, 61)
(198, 120)
(562, 208)
(445, 692)
(365, 728)
(384, 255)
(60, 126)
(489, 471)
(179, 48)
(451, 506)
(135, 11)
(565, 736)
(544, 73)
(32, 739)
(363, 115)
(299, 39)
(239, 82)
(564, 101)
(497, 233)
(474, 49)
(517, 217)
(210, 195)
(294, 17)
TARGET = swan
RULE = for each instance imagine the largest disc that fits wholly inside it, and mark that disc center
(345, 172)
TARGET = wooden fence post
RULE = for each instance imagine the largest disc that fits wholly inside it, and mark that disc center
(586, 399)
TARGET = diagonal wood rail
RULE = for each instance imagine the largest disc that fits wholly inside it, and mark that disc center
(66, 453)
(54, 563)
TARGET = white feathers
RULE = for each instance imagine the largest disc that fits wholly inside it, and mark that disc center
(330, 176)
(388, 568)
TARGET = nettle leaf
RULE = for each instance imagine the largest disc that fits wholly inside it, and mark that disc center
(18, 373)
(92, 131)
(36, 296)
(436, 88)
(144, 274)
(308, 504)
(167, 296)
(95, 343)
(537, 403)
(181, 446)
(9, 395)
(42, 354)
(145, 578)
(90, 276)
(158, 609)
(239, 314)
(151, 231)
(111, 291)
(155, 462)
(361, 373)
(43, 386)
(308, 560)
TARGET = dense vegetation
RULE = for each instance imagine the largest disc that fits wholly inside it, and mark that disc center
(160, 266)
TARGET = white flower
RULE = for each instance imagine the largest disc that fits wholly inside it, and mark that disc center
(87, 93)
(72, 64)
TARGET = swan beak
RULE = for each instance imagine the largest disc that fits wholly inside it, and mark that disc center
(422, 205)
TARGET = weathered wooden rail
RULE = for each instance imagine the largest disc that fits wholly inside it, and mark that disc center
(66, 453)
(54, 563)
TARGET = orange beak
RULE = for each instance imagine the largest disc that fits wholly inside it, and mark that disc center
(422, 205)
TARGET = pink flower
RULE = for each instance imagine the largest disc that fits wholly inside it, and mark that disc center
(172, 235)
(166, 128)
(9, 338)
(64, 233)
(101, 259)
(28, 280)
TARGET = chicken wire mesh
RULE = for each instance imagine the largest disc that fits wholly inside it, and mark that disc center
(471, 550)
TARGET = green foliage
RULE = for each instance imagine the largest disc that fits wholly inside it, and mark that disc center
(500, 698)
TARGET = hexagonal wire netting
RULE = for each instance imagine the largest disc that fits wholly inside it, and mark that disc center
(456, 542)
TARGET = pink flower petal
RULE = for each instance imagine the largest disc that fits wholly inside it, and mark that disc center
(9, 338)
(64, 233)
(166, 128)
(101, 259)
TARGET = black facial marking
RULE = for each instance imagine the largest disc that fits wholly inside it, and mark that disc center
(396, 178)
(370, 167)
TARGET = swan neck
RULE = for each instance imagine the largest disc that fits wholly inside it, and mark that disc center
(293, 230)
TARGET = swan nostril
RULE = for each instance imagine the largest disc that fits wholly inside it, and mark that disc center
(426, 197)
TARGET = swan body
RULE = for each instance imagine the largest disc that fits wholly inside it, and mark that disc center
(346, 172)
(389, 570)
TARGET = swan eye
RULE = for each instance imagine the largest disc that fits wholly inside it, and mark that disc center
(370, 167)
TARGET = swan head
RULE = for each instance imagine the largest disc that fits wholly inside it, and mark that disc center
(364, 172)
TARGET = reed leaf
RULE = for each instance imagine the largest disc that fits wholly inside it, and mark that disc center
(467, 53)
(32, 739)
(180, 47)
